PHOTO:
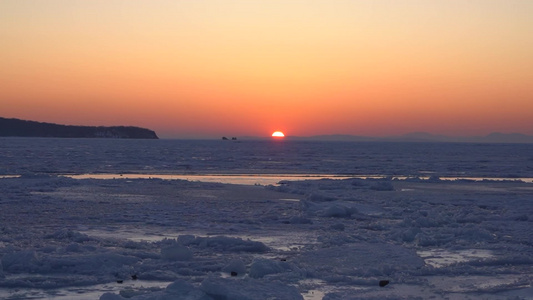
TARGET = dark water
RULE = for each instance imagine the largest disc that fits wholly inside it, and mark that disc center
(78, 156)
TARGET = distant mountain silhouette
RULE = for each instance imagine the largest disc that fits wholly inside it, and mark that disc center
(23, 128)
(423, 136)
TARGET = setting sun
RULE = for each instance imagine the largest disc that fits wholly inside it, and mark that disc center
(278, 134)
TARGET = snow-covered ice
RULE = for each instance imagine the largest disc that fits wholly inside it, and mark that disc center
(150, 238)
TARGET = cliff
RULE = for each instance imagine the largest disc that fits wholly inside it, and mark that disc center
(23, 128)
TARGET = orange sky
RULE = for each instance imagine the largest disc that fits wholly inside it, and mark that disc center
(195, 69)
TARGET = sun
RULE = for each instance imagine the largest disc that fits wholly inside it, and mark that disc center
(278, 134)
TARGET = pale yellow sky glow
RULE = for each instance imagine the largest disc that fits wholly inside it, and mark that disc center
(211, 68)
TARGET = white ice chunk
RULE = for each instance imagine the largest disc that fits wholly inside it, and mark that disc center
(261, 267)
(236, 266)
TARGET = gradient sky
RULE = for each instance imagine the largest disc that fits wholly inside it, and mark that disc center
(234, 68)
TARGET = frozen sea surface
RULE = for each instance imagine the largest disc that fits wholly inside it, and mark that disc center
(81, 156)
(65, 238)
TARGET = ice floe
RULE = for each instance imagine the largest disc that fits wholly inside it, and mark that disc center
(149, 238)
